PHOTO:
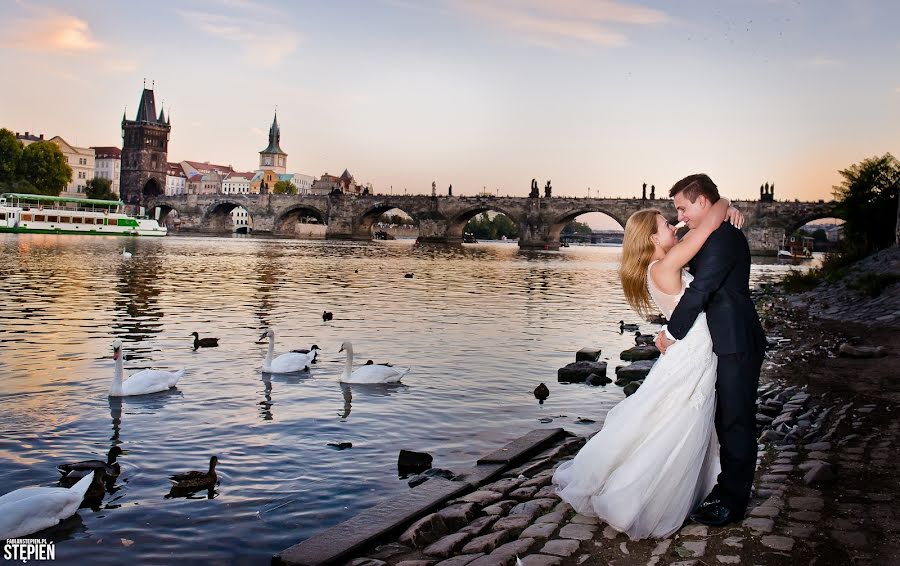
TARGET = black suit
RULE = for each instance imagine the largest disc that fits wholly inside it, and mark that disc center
(721, 288)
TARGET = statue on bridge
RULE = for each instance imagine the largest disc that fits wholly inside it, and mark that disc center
(547, 189)
(652, 192)
(433, 189)
(644, 192)
(534, 190)
(767, 193)
(450, 191)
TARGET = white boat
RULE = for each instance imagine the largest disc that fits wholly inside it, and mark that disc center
(63, 215)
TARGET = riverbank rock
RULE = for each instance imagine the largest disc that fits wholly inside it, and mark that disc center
(847, 350)
(597, 380)
(587, 354)
(640, 353)
(631, 387)
(578, 372)
(409, 462)
(634, 371)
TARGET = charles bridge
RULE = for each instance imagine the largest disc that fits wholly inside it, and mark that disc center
(443, 218)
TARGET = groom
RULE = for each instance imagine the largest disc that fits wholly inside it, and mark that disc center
(721, 288)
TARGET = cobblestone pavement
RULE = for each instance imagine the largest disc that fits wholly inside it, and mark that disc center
(824, 494)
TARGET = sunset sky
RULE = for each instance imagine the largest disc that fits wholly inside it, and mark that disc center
(598, 96)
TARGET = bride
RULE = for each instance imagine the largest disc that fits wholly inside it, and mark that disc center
(657, 456)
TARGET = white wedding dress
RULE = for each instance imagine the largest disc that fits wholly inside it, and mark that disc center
(657, 456)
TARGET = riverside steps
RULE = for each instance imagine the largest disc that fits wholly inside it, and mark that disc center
(385, 519)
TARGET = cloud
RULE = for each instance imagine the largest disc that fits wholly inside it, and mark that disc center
(821, 61)
(263, 44)
(557, 23)
(48, 30)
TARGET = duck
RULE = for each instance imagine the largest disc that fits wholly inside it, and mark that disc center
(204, 342)
(196, 480)
(541, 392)
(627, 327)
(643, 339)
(31, 509)
(657, 319)
(290, 362)
(408, 275)
(109, 468)
(140, 383)
(126, 254)
(326, 316)
(372, 373)
(313, 351)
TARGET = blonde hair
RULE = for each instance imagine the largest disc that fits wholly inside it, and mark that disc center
(636, 253)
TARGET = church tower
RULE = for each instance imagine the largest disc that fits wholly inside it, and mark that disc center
(273, 158)
(145, 146)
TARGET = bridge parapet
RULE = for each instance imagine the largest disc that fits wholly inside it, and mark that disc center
(443, 219)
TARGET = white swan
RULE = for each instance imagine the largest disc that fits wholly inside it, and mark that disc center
(372, 373)
(142, 382)
(126, 254)
(30, 509)
(290, 362)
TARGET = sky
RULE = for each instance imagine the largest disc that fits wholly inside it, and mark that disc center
(597, 96)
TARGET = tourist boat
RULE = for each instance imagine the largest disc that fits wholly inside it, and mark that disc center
(469, 238)
(796, 248)
(63, 215)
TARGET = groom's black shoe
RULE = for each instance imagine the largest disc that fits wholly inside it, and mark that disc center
(714, 513)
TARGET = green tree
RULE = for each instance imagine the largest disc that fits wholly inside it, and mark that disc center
(868, 202)
(820, 235)
(284, 188)
(44, 166)
(575, 227)
(100, 188)
(483, 227)
(10, 155)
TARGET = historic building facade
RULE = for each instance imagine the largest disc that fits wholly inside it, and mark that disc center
(273, 158)
(145, 143)
(108, 165)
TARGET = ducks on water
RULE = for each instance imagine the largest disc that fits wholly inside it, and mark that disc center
(126, 254)
(204, 342)
(643, 339)
(370, 373)
(80, 469)
(196, 480)
(290, 362)
(31, 509)
(312, 351)
(326, 316)
(140, 383)
(627, 327)
(541, 392)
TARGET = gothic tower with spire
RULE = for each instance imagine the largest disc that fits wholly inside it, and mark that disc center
(273, 158)
(145, 146)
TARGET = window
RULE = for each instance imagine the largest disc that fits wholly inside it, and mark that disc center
(76, 220)
(53, 219)
(37, 218)
(26, 218)
(2, 216)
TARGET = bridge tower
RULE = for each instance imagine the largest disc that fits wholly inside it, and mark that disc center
(273, 157)
(145, 147)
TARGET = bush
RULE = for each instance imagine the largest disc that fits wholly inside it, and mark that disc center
(872, 284)
(801, 281)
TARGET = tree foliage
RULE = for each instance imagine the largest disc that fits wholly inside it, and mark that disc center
(868, 202)
(486, 228)
(284, 188)
(100, 188)
(41, 169)
(10, 155)
(576, 227)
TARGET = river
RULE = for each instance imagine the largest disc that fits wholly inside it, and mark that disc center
(479, 325)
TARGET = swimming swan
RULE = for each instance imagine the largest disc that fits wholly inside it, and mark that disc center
(30, 509)
(126, 254)
(374, 373)
(290, 362)
(142, 382)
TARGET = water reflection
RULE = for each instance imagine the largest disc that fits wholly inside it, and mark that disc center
(367, 390)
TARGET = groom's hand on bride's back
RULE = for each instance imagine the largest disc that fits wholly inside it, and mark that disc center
(663, 342)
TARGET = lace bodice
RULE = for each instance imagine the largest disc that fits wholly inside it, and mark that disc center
(664, 301)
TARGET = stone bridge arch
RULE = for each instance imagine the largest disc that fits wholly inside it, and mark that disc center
(217, 216)
(289, 219)
(557, 224)
(364, 225)
(795, 223)
(456, 225)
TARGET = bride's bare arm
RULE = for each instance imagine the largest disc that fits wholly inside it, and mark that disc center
(682, 252)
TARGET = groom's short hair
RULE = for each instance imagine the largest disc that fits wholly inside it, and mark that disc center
(695, 185)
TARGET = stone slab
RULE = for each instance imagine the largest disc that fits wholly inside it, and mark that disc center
(587, 354)
(520, 448)
(377, 522)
